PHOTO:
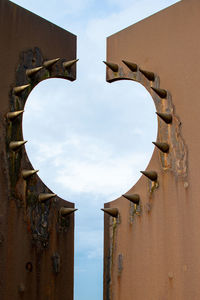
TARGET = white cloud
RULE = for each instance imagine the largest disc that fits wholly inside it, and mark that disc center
(83, 165)
(106, 177)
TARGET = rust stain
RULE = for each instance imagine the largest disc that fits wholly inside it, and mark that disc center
(177, 158)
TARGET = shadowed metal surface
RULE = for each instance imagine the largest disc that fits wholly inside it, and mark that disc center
(36, 241)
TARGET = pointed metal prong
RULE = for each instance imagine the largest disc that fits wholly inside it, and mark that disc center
(45, 196)
(135, 198)
(65, 211)
(112, 66)
(152, 175)
(15, 145)
(14, 114)
(28, 173)
(167, 118)
(111, 211)
(32, 72)
(160, 92)
(164, 147)
(49, 63)
(69, 64)
(132, 66)
(149, 75)
(19, 89)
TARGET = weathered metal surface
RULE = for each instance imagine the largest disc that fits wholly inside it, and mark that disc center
(160, 246)
(36, 241)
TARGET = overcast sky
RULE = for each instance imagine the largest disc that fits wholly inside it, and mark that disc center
(90, 139)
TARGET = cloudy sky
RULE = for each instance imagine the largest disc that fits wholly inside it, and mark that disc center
(90, 139)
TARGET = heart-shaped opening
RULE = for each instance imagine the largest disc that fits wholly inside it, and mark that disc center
(89, 144)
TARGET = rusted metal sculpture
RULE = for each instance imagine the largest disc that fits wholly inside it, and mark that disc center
(152, 251)
(152, 244)
(36, 226)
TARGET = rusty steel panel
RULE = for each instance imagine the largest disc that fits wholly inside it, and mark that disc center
(36, 237)
(151, 249)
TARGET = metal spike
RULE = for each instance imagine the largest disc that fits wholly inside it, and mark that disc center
(65, 211)
(45, 196)
(112, 66)
(32, 72)
(16, 145)
(133, 67)
(160, 92)
(152, 175)
(167, 118)
(49, 63)
(164, 147)
(14, 114)
(111, 211)
(135, 198)
(149, 75)
(19, 89)
(28, 173)
(69, 64)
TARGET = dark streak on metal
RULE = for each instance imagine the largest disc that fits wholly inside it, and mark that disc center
(132, 212)
(56, 263)
(63, 223)
(107, 275)
(120, 264)
(1, 238)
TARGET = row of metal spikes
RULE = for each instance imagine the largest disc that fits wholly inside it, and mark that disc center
(26, 174)
(64, 211)
(166, 117)
(47, 64)
(134, 198)
(134, 68)
(15, 145)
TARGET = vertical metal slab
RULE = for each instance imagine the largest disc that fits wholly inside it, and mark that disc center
(153, 253)
(36, 242)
